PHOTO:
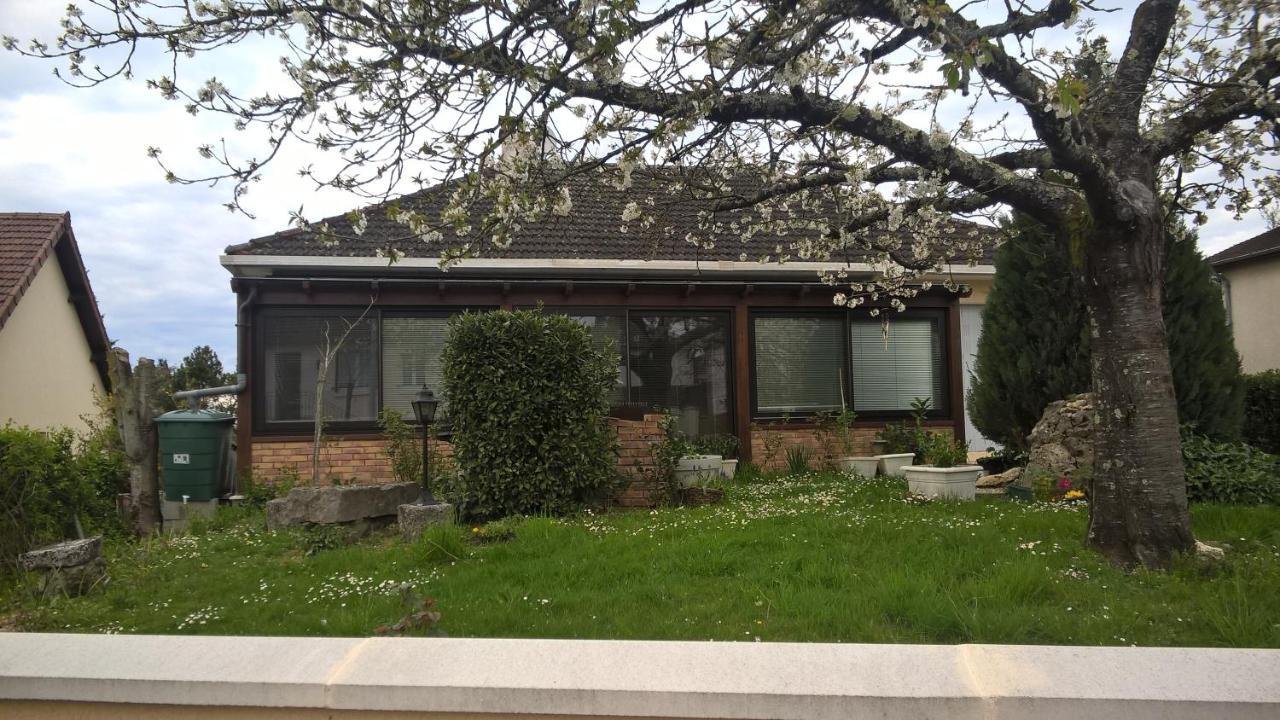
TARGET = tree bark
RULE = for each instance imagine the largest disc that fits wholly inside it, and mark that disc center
(1138, 504)
(136, 405)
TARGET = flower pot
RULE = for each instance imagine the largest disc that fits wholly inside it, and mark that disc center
(893, 463)
(864, 466)
(959, 482)
(728, 468)
(697, 470)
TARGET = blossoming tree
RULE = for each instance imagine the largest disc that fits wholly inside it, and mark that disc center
(856, 116)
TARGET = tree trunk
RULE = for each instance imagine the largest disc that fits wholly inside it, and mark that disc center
(1138, 504)
(136, 405)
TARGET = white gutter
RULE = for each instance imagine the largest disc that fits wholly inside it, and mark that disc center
(262, 265)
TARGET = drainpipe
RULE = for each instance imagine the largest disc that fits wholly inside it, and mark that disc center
(242, 379)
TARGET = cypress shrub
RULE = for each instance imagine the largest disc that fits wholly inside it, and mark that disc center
(1262, 410)
(1035, 343)
(1034, 347)
(527, 396)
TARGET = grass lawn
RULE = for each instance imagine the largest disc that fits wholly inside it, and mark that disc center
(809, 558)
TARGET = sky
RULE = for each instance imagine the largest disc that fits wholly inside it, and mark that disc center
(151, 247)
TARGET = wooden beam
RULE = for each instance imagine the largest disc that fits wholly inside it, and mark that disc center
(747, 291)
(688, 289)
(568, 288)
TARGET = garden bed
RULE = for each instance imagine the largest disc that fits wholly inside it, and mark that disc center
(811, 558)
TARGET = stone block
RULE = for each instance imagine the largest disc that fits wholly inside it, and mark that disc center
(415, 518)
(338, 504)
(63, 554)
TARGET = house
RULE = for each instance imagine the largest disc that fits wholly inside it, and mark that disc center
(1250, 275)
(53, 347)
(725, 343)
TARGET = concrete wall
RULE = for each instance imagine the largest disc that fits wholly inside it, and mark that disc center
(46, 377)
(120, 676)
(1254, 298)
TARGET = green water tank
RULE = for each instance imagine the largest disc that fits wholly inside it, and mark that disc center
(195, 454)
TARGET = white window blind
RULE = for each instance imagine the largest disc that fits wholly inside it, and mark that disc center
(889, 373)
(800, 364)
(294, 347)
(608, 332)
(411, 348)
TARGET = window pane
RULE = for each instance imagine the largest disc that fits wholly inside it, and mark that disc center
(608, 332)
(411, 348)
(800, 364)
(295, 347)
(891, 371)
(680, 363)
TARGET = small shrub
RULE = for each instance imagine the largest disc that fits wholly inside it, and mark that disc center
(835, 435)
(666, 455)
(1262, 411)
(748, 472)
(496, 530)
(799, 460)
(55, 486)
(315, 538)
(528, 393)
(258, 493)
(1229, 472)
(404, 446)
(724, 445)
(443, 544)
(940, 450)
(771, 442)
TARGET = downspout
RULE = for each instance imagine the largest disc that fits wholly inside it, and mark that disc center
(242, 378)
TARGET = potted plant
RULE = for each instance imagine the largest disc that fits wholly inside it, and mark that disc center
(838, 441)
(945, 474)
(694, 468)
(724, 445)
(898, 441)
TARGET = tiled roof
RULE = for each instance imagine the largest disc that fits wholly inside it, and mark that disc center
(590, 231)
(1267, 243)
(27, 240)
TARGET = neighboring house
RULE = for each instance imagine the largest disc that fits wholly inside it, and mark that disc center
(53, 347)
(726, 344)
(1250, 274)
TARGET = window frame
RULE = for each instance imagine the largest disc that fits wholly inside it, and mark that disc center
(263, 426)
(627, 409)
(938, 316)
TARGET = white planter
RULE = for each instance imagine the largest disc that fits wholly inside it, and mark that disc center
(697, 470)
(864, 466)
(959, 482)
(728, 468)
(893, 463)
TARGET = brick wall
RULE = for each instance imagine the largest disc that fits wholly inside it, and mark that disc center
(365, 459)
(808, 436)
(635, 441)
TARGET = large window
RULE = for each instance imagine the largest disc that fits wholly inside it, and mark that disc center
(896, 362)
(294, 350)
(608, 333)
(816, 362)
(801, 364)
(411, 348)
(680, 362)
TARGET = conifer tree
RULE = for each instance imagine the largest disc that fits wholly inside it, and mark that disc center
(1035, 338)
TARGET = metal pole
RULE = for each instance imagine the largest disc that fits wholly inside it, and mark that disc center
(427, 498)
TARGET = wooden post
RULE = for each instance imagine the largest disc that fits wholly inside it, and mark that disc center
(136, 405)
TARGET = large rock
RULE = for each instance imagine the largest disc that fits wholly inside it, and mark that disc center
(68, 568)
(999, 480)
(1062, 442)
(338, 504)
(415, 518)
(63, 555)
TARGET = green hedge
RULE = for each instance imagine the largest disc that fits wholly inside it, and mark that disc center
(1262, 410)
(51, 480)
(527, 396)
(1229, 472)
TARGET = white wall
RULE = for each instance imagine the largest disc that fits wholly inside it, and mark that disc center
(46, 377)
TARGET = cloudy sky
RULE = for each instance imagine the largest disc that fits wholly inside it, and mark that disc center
(152, 248)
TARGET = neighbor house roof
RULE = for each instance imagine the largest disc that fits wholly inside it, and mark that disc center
(27, 240)
(1268, 243)
(592, 230)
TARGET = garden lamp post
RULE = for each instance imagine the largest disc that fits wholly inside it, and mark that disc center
(424, 407)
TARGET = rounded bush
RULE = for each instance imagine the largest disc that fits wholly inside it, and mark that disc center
(527, 397)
